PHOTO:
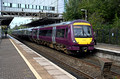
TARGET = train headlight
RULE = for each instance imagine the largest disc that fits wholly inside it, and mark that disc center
(74, 41)
(92, 41)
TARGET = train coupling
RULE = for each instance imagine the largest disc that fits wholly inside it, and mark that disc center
(84, 49)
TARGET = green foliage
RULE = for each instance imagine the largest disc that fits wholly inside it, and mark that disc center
(104, 15)
(96, 20)
(19, 27)
(101, 13)
(72, 10)
(116, 21)
(110, 36)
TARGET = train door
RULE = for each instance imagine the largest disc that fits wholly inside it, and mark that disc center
(34, 34)
(0, 32)
(53, 35)
(61, 35)
(38, 34)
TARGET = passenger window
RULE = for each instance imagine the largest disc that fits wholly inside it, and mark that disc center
(66, 32)
(45, 32)
(34, 32)
(60, 33)
(49, 33)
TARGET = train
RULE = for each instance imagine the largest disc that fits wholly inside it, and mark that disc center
(70, 37)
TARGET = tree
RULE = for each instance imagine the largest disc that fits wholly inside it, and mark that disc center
(100, 12)
(72, 10)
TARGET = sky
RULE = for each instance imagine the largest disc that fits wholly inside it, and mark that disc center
(19, 20)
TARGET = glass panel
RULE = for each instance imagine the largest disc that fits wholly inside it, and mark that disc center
(53, 8)
(66, 32)
(34, 32)
(45, 7)
(49, 33)
(39, 7)
(5, 4)
(30, 7)
(60, 33)
(82, 31)
(34, 7)
(22, 5)
(42, 7)
(42, 32)
(14, 5)
(10, 4)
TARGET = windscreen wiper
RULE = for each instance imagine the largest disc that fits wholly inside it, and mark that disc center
(84, 32)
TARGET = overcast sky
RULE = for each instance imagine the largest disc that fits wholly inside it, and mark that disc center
(19, 20)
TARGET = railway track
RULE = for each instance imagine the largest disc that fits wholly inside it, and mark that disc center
(81, 67)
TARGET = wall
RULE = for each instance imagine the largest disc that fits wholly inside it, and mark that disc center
(60, 6)
(48, 3)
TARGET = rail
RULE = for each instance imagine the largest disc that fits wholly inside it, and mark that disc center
(86, 68)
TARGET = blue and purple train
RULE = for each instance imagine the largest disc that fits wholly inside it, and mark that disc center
(71, 37)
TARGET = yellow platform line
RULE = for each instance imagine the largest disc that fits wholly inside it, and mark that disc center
(27, 62)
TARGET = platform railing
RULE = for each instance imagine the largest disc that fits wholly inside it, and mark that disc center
(109, 36)
(29, 14)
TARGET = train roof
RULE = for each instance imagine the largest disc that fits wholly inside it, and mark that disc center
(57, 24)
(62, 23)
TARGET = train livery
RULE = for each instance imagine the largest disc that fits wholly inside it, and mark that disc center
(71, 37)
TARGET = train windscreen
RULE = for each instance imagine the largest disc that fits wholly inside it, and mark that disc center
(81, 31)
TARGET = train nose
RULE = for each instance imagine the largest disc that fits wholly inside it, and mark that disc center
(83, 40)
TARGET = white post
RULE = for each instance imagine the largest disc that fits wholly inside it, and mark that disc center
(0, 6)
(57, 6)
(85, 13)
(0, 30)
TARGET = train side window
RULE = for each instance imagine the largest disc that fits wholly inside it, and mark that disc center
(66, 32)
(60, 33)
(39, 32)
(49, 33)
(42, 32)
(34, 32)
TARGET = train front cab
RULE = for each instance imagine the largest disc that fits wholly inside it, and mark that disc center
(82, 39)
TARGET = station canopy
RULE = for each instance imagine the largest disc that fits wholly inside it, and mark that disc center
(44, 21)
(5, 21)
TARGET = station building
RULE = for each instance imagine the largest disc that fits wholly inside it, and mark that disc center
(45, 6)
(55, 6)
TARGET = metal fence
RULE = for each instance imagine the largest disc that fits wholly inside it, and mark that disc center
(110, 36)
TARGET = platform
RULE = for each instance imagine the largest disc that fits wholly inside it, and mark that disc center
(17, 61)
(12, 66)
(108, 48)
